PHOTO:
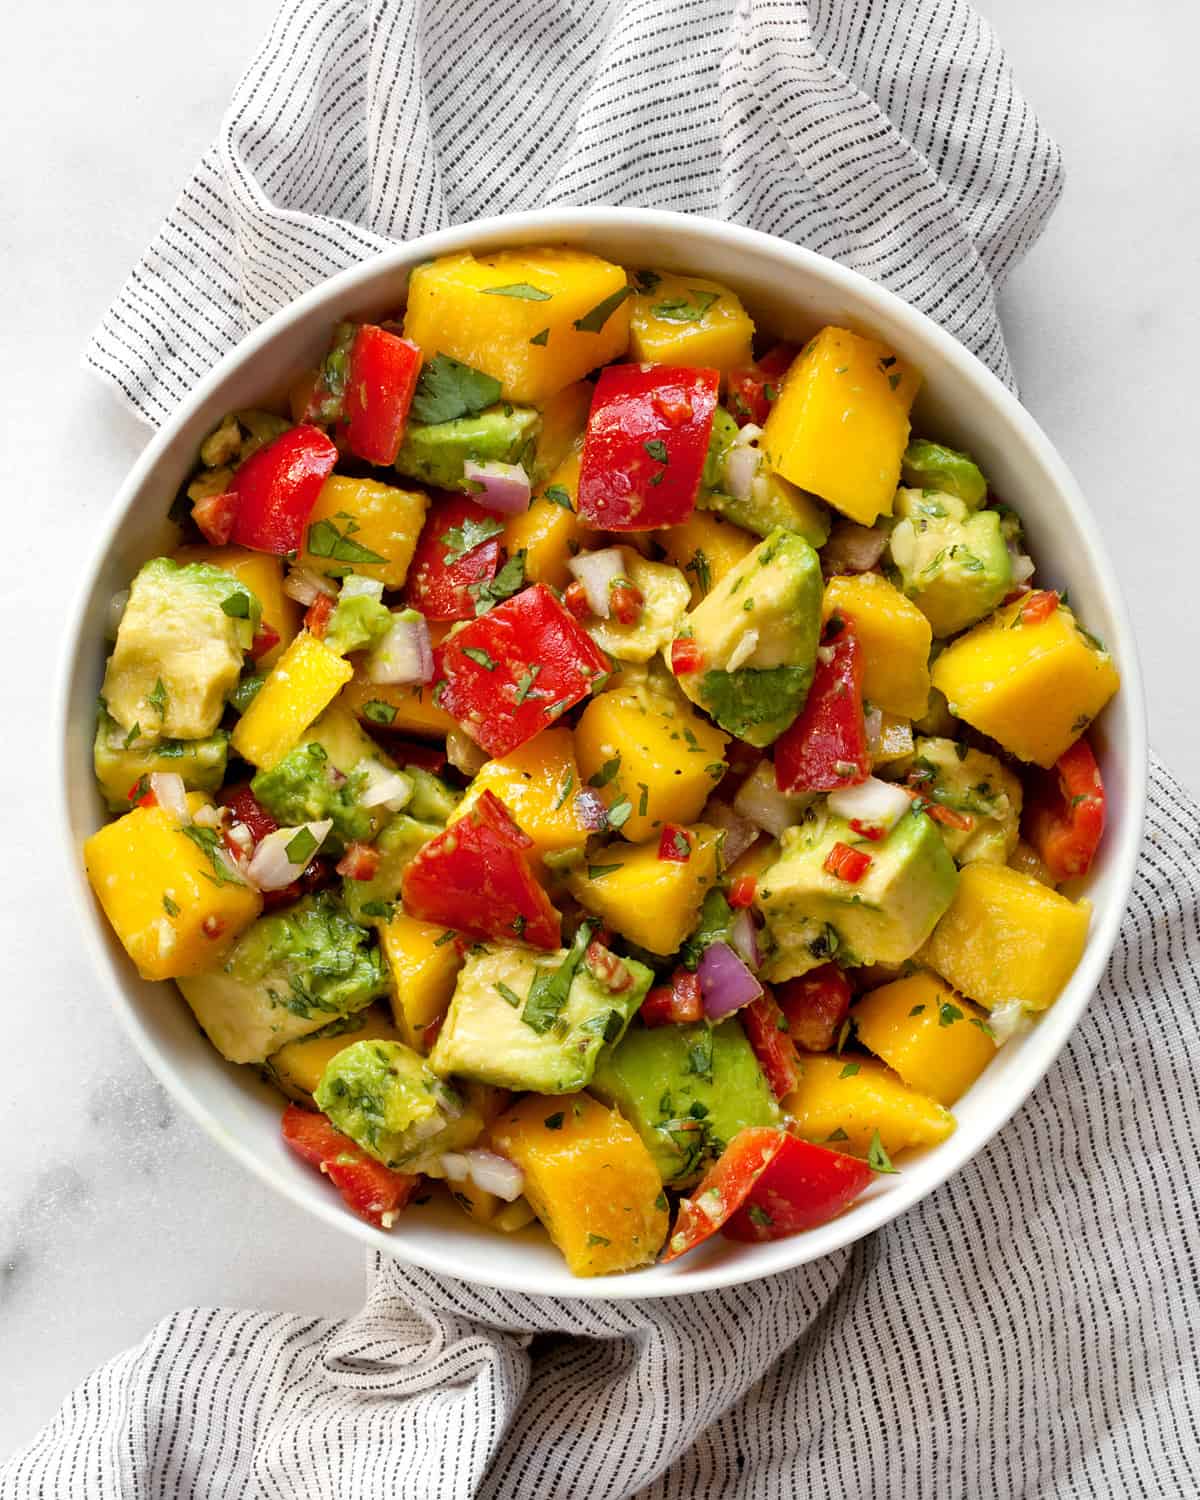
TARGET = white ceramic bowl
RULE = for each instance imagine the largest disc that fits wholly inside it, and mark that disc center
(792, 292)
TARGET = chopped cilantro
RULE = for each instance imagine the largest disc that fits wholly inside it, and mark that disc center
(850, 1069)
(558, 496)
(520, 290)
(169, 906)
(525, 682)
(541, 338)
(759, 1216)
(508, 581)
(325, 540)
(237, 606)
(877, 1158)
(594, 320)
(460, 540)
(379, 712)
(478, 654)
(684, 309)
(301, 847)
(598, 872)
(549, 990)
(598, 1239)
(564, 788)
(448, 389)
(619, 812)
(131, 736)
(158, 699)
(606, 772)
(448, 936)
(948, 1014)
(657, 450)
(506, 992)
(554, 1121)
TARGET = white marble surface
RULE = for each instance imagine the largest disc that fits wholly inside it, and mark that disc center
(114, 1209)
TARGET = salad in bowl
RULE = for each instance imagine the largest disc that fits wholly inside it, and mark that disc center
(597, 762)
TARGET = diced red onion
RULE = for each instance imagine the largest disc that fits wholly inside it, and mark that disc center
(405, 654)
(590, 810)
(740, 833)
(456, 1166)
(171, 795)
(496, 486)
(390, 789)
(873, 722)
(463, 753)
(852, 548)
(303, 585)
(740, 467)
(1022, 564)
(598, 571)
(743, 938)
(878, 803)
(725, 982)
(761, 801)
(495, 1174)
(271, 869)
(115, 613)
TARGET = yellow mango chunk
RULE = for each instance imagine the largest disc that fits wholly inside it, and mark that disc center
(408, 710)
(760, 856)
(476, 1202)
(549, 532)
(1033, 687)
(926, 1032)
(704, 549)
(371, 528)
(262, 573)
(423, 965)
(175, 906)
(651, 751)
(689, 320)
(895, 639)
(653, 902)
(589, 1178)
(297, 1067)
(895, 740)
(538, 783)
(1006, 936)
(564, 417)
(300, 686)
(845, 1100)
(471, 308)
(839, 426)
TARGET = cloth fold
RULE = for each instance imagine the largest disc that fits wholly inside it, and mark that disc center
(1022, 1332)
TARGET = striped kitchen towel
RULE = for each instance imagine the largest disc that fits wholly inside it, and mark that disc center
(1028, 1330)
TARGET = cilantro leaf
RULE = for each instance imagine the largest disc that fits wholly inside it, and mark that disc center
(550, 988)
(594, 321)
(558, 496)
(508, 581)
(301, 847)
(448, 389)
(478, 654)
(460, 540)
(237, 606)
(325, 540)
(683, 309)
(519, 289)
(877, 1158)
(541, 339)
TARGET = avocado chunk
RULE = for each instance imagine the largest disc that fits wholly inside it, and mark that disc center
(360, 618)
(179, 649)
(757, 632)
(525, 1020)
(377, 899)
(954, 565)
(767, 500)
(289, 975)
(666, 595)
(931, 466)
(687, 1091)
(975, 785)
(389, 1101)
(121, 762)
(325, 776)
(883, 918)
(435, 452)
(433, 800)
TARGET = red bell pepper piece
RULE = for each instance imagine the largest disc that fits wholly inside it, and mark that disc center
(645, 446)
(816, 1006)
(846, 863)
(753, 388)
(1039, 606)
(723, 1188)
(826, 746)
(318, 614)
(248, 810)
(626, 602)
(743, 891)
(277, 488)
(475, 878)
(265, 639)
(214, 515)
(679, 1003)
(360, 861)
(803, 1186)
(459, 546)
(675, 844)
(379, 390)
(576, 599)
(511, 672)
(1065, 813)
(766, 1030)
(686, 656)
(374, 1192)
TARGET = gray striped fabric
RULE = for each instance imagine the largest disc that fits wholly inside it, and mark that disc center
(1026, 1331)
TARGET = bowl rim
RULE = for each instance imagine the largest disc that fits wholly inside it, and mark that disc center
(564, 224)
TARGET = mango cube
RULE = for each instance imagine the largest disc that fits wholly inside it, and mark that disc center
(842, 1101)
(895, 638)
(564, 418)
(368, 527)
(536, 319)
(704, 549)
(926, 1032)
(262, 573)
(840, 424)
(689, 320)
(549, 532)
(297, 1067)
(650, 755)
(651, 901)
(408, 710)
(300, 686)
(423, 964)
(175, 905)
(589, 1178)
(538, 783)
(1033, 687)
(1006, 936)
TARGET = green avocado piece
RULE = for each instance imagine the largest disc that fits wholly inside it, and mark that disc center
(325, 777)
(376, 900)
(758, 632)
(435, 453)
(433, 800)
(720, 440)
(931, 466)
(520, 1019)
(975, 784)
(687, 1091)
(360, 618)
(179, 649)
(954, 565)
(289, 974)
(119, 765)
(811, 915)
(389, 1101)
(773, 502)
